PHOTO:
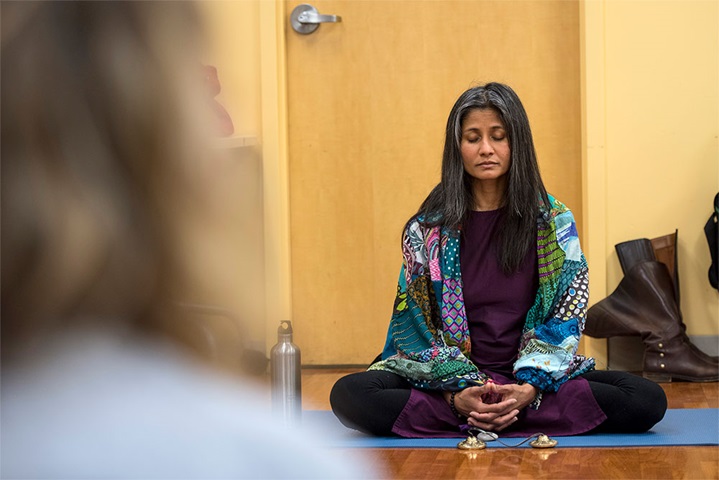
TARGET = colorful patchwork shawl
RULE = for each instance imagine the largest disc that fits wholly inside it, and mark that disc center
(428, 339)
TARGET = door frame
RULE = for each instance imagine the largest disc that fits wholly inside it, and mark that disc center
(275, 166)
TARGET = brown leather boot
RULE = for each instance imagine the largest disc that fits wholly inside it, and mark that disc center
(664, 250)
(661, 249)
(643, 303)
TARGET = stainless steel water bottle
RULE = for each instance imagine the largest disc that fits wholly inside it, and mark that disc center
(285, 365)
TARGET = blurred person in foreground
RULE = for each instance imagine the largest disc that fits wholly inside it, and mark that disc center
(105, 133)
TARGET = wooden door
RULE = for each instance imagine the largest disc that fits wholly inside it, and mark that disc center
(368, 100)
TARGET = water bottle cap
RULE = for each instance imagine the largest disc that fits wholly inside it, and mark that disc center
(285, 327)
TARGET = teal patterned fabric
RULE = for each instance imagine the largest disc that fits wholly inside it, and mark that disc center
(428, 338)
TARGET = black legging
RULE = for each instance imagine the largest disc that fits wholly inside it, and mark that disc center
(371, 401)
(631, 403)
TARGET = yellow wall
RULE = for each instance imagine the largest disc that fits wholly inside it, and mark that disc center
(651, 129)
(246, 44)
(229, 250)
(232, 29)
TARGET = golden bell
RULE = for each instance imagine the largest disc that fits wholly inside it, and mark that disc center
(471, 443)
(543, 441)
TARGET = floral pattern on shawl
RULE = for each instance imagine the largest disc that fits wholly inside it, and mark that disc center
(428, 339)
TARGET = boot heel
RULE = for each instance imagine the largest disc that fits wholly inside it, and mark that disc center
(657, 377)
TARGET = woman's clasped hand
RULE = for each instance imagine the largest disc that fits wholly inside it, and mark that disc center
(493, 407)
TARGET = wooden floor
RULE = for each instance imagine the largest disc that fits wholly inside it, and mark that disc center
(701, 463)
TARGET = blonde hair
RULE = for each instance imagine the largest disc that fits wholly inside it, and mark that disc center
(102, 120)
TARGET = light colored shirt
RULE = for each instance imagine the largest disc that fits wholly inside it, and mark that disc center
(107, 405)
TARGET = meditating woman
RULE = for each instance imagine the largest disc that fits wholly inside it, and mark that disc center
(491, 303)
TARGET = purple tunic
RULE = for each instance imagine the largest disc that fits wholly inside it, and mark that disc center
(496, 307)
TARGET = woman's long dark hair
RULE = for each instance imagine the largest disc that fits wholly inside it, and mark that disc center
(452, 199)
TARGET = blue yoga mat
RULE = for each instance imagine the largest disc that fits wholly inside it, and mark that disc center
(679, 427)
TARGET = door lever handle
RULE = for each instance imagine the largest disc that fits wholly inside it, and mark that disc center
(305, 19)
